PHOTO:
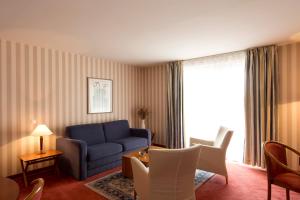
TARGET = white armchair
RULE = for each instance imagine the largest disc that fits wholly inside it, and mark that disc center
(170, 175)
(213, 153)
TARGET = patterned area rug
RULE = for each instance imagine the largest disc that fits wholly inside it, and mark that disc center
(117, 187)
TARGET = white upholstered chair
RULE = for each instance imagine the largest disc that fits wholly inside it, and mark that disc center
(170, 175)
(213, 153)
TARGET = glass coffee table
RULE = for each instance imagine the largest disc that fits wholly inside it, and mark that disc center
(126, 160)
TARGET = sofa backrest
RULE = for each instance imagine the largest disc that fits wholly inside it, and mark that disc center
(90, 133)
(116, 130)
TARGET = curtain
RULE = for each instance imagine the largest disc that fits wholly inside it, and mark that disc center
(213, 90)
(260, 102)
(175, 105)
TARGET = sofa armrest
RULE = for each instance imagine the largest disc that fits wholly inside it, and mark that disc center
(73, 160)
(139, 132)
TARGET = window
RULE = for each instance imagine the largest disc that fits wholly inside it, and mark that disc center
(214, 96)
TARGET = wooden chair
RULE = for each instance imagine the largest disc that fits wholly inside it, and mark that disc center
(37, 190)
(278, 171)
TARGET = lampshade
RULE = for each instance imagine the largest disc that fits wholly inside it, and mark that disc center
(41, 130)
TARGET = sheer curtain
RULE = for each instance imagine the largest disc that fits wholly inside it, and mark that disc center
(214, 96)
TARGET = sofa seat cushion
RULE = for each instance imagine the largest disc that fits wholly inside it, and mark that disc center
(99, 151)
(131, 143)
(104, 161)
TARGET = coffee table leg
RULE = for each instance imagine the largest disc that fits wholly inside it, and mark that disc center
(24, 173)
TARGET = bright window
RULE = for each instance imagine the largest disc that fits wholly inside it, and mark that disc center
(214, 96)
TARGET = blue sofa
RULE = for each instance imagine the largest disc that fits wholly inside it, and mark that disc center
(92, 148)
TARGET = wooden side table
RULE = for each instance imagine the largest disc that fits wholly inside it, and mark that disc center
(152, 136)
(156, 144)
(30, 159)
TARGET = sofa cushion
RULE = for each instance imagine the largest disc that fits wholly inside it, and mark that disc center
(116, 130)
(99, 151)
(131, 143)
(90, 133)
(104, 161)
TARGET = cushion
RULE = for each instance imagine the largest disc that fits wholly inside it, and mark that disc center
(104, 161)
(90, 133)
(116, 130)
(99, 151)
(288, 179)
(131, 143)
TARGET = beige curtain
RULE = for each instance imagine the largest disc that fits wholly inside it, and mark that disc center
(260, 102)
(175, 105)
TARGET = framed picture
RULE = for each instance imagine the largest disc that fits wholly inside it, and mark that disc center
(99, 95)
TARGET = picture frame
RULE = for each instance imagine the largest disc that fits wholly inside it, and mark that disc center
(100, 95)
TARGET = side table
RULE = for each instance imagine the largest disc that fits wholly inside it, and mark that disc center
(30, 159)
(156, 144)
(152, 136)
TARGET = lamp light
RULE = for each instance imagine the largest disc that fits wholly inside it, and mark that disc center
(41, 130)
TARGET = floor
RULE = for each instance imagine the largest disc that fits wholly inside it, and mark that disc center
(244, 183)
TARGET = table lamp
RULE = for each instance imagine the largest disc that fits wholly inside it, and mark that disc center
(41, 130)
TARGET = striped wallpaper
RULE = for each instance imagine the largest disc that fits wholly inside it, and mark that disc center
(40, 85)
(155, 88)
(289, 96)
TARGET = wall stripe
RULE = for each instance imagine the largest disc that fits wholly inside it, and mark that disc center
(289, 97)
(155, 94)
(50, 86)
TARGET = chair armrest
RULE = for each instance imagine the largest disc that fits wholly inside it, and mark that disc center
(139, 132)
(212, 159)
(140, 177)
(211, 152)
(194, 141)
(73, 160)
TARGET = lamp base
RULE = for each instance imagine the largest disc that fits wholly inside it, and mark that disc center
(42, 151)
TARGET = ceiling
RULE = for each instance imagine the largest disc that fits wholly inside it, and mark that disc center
(150, 31)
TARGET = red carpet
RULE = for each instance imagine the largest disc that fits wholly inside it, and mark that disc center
(244, 183)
